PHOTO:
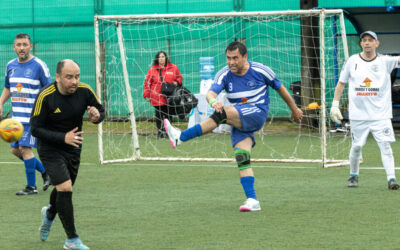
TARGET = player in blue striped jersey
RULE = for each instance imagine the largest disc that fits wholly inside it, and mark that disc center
(247, 86)
(25, 76)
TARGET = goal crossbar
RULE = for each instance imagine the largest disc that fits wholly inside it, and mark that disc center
(219, 14)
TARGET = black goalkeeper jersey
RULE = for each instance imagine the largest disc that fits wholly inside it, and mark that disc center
(54, 114)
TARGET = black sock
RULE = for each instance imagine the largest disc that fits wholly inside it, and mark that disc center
(65, 211)
(52, 211)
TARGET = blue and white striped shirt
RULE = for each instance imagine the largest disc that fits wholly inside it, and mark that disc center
(25, 80)
(251, 88)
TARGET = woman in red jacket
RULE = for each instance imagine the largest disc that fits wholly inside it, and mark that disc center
(161, 71)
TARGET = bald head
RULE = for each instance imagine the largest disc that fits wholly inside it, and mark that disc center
(65, 62)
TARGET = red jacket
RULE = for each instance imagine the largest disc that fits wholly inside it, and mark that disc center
(152, 82)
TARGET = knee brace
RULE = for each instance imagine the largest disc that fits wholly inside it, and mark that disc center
(242, 158)
(385, 148)
(219, 118)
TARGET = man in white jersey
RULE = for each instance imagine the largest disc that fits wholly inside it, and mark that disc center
(370, 105)
(247, 85)
(25, 76)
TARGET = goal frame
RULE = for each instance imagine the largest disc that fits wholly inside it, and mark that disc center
(135, 142)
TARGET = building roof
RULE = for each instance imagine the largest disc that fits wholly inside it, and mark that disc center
(383, 20)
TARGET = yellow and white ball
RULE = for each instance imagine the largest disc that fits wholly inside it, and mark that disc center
(11, 130)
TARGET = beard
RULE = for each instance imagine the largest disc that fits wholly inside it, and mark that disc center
(23, 57)
(236, 69)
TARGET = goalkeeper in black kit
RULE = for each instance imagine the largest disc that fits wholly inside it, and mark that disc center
(56, 121)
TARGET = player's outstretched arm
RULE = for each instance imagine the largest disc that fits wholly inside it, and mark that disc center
(297, 114)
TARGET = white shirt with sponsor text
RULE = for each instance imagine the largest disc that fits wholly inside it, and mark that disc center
(369, 86)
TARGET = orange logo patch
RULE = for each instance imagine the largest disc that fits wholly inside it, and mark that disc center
(19, 87)
(367, 82)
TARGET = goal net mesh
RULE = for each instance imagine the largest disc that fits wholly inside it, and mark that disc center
(273, 40)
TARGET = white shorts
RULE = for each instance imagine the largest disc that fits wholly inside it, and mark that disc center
(382, 130)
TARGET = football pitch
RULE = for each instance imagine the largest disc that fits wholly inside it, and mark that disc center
(182, 205)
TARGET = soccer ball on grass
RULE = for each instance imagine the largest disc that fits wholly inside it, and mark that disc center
(11, 130)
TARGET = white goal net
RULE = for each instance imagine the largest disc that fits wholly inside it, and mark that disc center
(306, 50)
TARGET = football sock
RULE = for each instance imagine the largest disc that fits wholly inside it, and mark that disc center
(65, 212)
(248, 186)
(52, 211)
(355, 156)
(30, 172)
(191, 133)
(39, 166)
(387, 159)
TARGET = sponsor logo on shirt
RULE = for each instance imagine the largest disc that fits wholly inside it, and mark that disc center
(244, 100)
(19, 87)
(367, 82)
(365, 89)
(19, 96)
(18, 99)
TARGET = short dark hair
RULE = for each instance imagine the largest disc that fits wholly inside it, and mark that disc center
(237, 45)
(60, 66)
(155, 61)
(22, 36)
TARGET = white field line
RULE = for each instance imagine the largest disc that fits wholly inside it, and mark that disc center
(171, 164)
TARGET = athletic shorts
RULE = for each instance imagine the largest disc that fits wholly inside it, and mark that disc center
(27, 140)
(382, 130)
(252, 118)
(60, 165)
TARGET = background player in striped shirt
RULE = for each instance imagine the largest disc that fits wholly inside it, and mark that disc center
(247, 86)
(370, 105)
(26, 75)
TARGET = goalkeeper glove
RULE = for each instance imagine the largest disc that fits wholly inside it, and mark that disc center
(336, 116)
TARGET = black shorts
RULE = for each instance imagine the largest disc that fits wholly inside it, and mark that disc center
(61, 166)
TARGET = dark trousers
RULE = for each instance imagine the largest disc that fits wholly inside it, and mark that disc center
(162, 112)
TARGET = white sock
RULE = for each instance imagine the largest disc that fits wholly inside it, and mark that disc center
(387, 159)
(355, 156)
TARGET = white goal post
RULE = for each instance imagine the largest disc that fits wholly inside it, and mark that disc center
(125, 46)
